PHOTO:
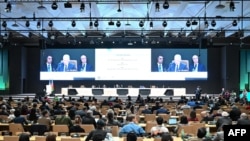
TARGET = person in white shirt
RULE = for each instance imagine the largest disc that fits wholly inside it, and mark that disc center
(159, 128)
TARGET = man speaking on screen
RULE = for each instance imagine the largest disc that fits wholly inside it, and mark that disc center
(65, 65)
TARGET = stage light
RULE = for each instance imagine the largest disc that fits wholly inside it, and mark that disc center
(231, 6)
(27, 24)
(166, 4)
(96, 24)
(213, 23)
(8, 7)
(90, 24)
(188, 23)
(38, 25)
(82, 7)
(4, 24)
(50, 24)
(141, 23)
(151, 25)
(73, 24)
(206, 24)
(234, 23)
(164, 24)
(119, 7)
(68, 5)
(157, 7)
(54, 5)
(118, 23)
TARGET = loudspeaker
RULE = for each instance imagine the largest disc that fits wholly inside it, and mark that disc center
(72, 92)
(122, 91)
(169, 92)
(97, 91)
(144, 91)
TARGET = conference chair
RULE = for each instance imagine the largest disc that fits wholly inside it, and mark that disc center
(87, 127)
(60, 129)
(16, 127)
(149, 126)
(150, 117)
(114, 130)
(40, 138)
(70, 139)
(11, 138)
(165, 117)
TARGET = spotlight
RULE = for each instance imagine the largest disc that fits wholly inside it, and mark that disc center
(73, 24)
(4, 24)
(8, 7)
(151, 25)
(82, 7)
(54, 5)
(50, 24)
(213, 23)
(164, 24)
(119, 7)
(166, 4)
(234, 23)
(206, 24)
(157, 7)
(68, 5)
(90, 24)
(141, 23)
(96, 24)
(231, 6)
(27, 24)
(38, 25)
(118, 23)
(188, 23)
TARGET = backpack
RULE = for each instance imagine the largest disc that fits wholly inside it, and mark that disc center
(131, 136)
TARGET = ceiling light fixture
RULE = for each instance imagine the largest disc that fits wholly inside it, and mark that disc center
(141, 23)
(90, 24)
(231, 6)
(73, 24)
(41, 6)
(165, 5)
(50, 24)
(82, 7)
(234, 23)
(164, 24)
(118, 23)
(151, 24)
(54, 5)
(96, 24)
(27, 24)
(119, 7)
(4, 24)
(213, 23)
(157, 7)
(8, 7)
(188, 23)
(38, 25)
(15, 24)
(67, 5)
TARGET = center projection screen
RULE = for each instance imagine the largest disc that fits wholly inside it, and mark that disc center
(123, 64)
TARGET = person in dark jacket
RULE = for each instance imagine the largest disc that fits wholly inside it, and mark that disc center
(76, 127)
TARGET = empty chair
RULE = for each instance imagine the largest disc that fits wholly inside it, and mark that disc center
(88, 127)
(40, 138)
(149, 117)
(15, 127)
(11, 138)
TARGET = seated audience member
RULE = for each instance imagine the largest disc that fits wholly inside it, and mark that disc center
(192, 116)
(104, 103)
(235, 113)
(146, 110)
(24, 137)
(99, 134)
(166, 137)
(131, 126)
(18, 118)
(183, 122)
(34, 113)
(89, 119)
(223, 120)
(219, 136)
(44, 119)
(111, 120)
(243, 120)
(206, 117)
(76, 127)
(4, 110)
(160, 128)
(51, 137)
(178, 110)
(162, 110)
(93, 108)
(156, 107)
(63, 119)
(11, 115)
(201, 134)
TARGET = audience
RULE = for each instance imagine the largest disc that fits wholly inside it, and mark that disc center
(243, 120)
(166, 137)
(24, 137)
(131, 126)
(160, 128)
(76, 127)
(224, 119)
(63, 119)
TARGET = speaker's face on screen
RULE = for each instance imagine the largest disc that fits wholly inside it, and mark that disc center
(84, 59)
(49, 59)
(160, 59)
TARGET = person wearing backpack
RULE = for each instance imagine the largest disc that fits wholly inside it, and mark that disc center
(131, 127)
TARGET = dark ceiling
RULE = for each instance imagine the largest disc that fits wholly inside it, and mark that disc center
(132, 21)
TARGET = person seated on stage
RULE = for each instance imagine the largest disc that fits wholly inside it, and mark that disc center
(146, 110)
(159, 129)
(63, 119)
(131, 126)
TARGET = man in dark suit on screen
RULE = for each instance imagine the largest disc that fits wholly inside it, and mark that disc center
(65, 65)
(49, 66)
(159, 66)
(176, 65)
(84, 66)
(196, 66)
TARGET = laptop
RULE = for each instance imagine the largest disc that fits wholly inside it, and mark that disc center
(172, 121)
